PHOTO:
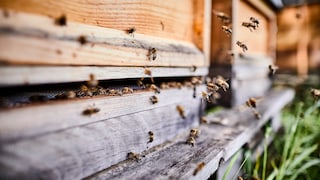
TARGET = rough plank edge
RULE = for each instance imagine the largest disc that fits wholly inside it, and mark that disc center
(41, 118)
(45, 43)
(31, 75)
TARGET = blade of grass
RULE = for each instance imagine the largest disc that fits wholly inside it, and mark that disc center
(233, 160)
(303, 156)
(307, 165)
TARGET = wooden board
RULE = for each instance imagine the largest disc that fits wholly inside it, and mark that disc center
(52, 116)
(216, 142)
(45, 43)
(29, 75)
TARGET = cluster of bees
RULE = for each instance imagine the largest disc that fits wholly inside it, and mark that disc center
(213, 85)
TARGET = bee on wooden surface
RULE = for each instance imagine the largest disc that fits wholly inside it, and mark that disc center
(180, 109)
(92, 81)
(90, 111)
(151, 136)
(154, 88)
(127, 90)
(164, 85)
(133, 156)
(227, 30)
(84, 91)
(205, 95)
(114, 92)
(191, 141)
(66, 95)
(251, 102)
(203, 120)
(179, 85)
(141, 84)
(199, 168)
(254, 21)
(272, 70)
(98, 90)
(131, 31)
(193, 68)
(224, 18)
(148, 73)
(188, 84)
(154, 99)
(242, 45)
(194, 133)
(38, 98)
(221, 82)
(196, 81)
(82, 40)
(315, 93)
(249, 25)
(212, 87)
(152, 54)
(61, 21)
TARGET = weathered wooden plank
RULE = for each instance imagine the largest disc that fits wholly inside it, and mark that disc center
(45, 43)
(173, 20)
(27, 75)
(179, 160)
(42, 118)
(80, 151)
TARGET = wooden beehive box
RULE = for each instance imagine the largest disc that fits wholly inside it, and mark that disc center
(247, 70)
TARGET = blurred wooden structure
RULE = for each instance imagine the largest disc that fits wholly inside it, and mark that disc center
(298, 39)
(51, 47)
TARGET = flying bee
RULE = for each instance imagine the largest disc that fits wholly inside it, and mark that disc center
(224, 18)
(66, 95)
(140, 84)
(131, 31)
(92, 81)
(154, 99)
(82, 40)
(127, 90)
(256, 114)
(194, 133)
(133, 156)
(193, 68)
(272, 70)
(152, 54)
(180, 109)
(227, 30)
(151, 136)
(155, 88)
(221, 82)
(61, 21)
(242, 45)
(212, 87)
(315, 93)
(90, 111)
(199, 168)
(213, 96)
(249, 25)
(251, 102)
(254, 21)
(203, 120)
(191, 141)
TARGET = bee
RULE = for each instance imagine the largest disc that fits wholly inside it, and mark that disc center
(191, 141)
(227, 30)
(251, 102)
(221, 82)
(194, 92)
(272, 70)
(164, 86)
(66, 95)
(249, 25)
(38, 98)
(155, 88)
(92, 81)
(90, 111)
(127, 90)
(224, 18)
(193, 68)
(213, 96)
(212, 87)
(98, 90)
(82, 40)
(180, 109)
(315, 93)
(148, 73)
(151, 136)
(162, 25)
(240, 178)
(154, 99)
(152, 54)
(114, 92)
(133, 156)
(196, 81)
(188, 84)
(61, 21)
(131, 31)
(199, 168)
(203, 120)
(256, 114)
(254, 21)
(84, 91)
(140, 84)
(243, 46)
(194, 133)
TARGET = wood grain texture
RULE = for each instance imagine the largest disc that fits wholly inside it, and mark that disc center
(167, 19)
(29, 75)
(79, 151)
(216, 141)
(42, 42)
(52, 116)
